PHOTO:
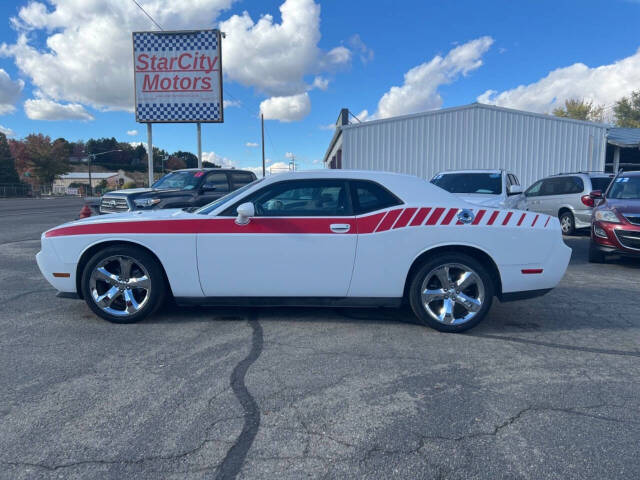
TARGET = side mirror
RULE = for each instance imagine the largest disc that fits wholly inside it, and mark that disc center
(596, 194)
(208, 188)
(245, 212)
(515, 190)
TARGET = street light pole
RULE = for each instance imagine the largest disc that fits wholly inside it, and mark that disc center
(92, 156)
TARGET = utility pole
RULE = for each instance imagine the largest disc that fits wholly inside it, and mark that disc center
(263, 164)
(292, 163)
(199, 145)
(92, 156)
(150, 154)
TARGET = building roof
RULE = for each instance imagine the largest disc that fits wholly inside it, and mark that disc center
(624, 137)
(83, 175)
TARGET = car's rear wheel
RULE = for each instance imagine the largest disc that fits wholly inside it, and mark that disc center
(595, 255)
(123, 284)
(451, 293)
(567, 223)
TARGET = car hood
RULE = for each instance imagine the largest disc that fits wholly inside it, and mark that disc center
(135, 216)
(138, 192)
(485, 200)
(623, 205)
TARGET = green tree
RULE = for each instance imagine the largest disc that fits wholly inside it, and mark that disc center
(627, 111)
(580, 110)
(8, 173)
(47, 160)
(190, 160)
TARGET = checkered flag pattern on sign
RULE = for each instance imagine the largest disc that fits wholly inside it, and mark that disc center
(178, 111)
(157, 42)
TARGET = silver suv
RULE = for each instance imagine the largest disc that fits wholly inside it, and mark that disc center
(567, 196)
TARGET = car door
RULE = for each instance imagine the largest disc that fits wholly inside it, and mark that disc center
(531, 197)
(300, 243)
(213, 186)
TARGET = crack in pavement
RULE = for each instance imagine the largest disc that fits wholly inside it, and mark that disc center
(562, 346)
(234, 459)
(24, 294)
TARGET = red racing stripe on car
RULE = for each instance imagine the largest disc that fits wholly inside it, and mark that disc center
(521, 219)
(547, 222)
(435, 216)
(262, 225)
(507, 218)
(493, 217)
(533, 224)
(478, 218)
(388, 220)
(369, 223)
(449, 216)
(405, 217)
(420, 216)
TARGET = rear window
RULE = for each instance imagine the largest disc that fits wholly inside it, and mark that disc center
(484, 183)
(240, 179)
(600, 183)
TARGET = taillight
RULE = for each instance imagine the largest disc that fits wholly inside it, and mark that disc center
(588, 201)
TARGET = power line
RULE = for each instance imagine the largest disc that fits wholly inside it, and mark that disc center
(150, 17)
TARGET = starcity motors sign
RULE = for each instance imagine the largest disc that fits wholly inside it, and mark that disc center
(178, 76)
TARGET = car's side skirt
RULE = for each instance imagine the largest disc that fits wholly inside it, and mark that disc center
(291, 301)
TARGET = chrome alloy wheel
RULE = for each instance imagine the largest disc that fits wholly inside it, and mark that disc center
(565, 224)
(452, 293)
(120, 285)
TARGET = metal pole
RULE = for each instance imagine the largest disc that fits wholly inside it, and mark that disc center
(616, 160)
(262, 125)
(150, 153)
(199, 145)
(90, 189)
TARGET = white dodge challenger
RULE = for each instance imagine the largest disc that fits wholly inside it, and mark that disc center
(329, 237)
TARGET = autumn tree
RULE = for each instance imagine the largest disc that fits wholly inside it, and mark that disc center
(175, 163)
(46, 159)
(8, 173)
(580, 110)
(627, 111)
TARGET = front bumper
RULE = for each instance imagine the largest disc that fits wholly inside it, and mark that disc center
(50, 263)
(621, 238)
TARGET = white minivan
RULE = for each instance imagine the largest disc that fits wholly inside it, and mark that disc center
(489, 188)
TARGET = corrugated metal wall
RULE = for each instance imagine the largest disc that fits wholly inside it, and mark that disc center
(478, 136)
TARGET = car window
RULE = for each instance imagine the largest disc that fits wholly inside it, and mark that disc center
(514, 179)
(241, 179)
(488, 183)
(534, 190)
(216, 181)
(573, 185)
(509, 181)
(180, 180)
(369, 196)
(600, 183)
(627, 188)
(562, 186)
(210, 207)
(299, 198)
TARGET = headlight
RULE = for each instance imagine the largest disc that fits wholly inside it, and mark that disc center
(146, 202)
(607, 216)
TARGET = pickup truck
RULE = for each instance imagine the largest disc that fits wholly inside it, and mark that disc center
(489, 188)
(191, 187)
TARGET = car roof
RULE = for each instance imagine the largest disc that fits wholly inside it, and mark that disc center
(630, 174)
(212, 169)
(473, 170)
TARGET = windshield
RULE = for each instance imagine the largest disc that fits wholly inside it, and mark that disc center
(486, 183)
(210, 207)
(625, 188)
(179, 181)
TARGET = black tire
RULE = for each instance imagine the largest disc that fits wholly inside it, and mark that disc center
(427, 269)
(595, 255)
(156, 294)
(567, 223)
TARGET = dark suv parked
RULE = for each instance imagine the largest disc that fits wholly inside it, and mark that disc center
(191, 187)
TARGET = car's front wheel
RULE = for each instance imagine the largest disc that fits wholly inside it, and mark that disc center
(451, 293)
(123, 284)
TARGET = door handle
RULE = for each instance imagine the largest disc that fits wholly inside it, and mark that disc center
(340, 227)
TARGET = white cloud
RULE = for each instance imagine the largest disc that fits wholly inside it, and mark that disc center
(364, 52)
(251, 144)
(602, 85)
(7, 131)
(231, 103)
(87, 58)
(337, 56)
(213, 157)
(9, 92)
(45, 109)
(419, 91)
(320, 83)
(133, 133)
(286, 109)
(289, 155)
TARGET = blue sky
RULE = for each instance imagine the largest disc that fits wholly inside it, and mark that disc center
(456, 52)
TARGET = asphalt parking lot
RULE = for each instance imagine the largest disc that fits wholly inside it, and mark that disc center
(543, 389)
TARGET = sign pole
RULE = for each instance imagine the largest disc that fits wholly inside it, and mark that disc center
(262, 126)
(199, 145)
(150, 153)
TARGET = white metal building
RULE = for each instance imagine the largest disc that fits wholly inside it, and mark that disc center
(473, 136)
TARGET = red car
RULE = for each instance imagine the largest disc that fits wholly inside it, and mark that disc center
(615, 224)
